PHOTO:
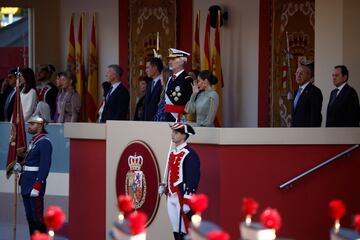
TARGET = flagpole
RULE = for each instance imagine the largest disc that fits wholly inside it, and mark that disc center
(15, 172)
(16, 176)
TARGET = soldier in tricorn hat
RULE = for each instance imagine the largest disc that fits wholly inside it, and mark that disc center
(182, 179)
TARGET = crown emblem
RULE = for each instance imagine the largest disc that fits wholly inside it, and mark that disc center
(135, 162)
(299, 42)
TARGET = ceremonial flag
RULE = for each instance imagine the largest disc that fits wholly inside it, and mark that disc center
(206, 60)
(70, 63)
(196, 45)
(92, 84)
(217, 70)
(17, 144)
(80, 70)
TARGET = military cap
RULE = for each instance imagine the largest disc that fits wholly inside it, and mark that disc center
(36, 119)
(175, 53)
(182, 128)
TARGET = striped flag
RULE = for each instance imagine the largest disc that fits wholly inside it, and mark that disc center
(92, 84)
(196, 45)
(217, 70)
(206, 60)
(70, 63)
(17, 144)
(80, 71)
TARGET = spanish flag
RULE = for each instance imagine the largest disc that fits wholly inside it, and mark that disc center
(217, 70)
(196, 46)
(70, 63)
(206, 61)
(92, 84)
(80, 71)
(17, 144)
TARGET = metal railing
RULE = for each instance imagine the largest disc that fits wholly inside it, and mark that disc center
(291, 181)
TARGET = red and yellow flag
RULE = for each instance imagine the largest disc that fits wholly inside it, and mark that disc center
(80, 70)
(206, 60)
(70, 62)
(17, 144)
(196, 45)
(217, 70)
(92, 84)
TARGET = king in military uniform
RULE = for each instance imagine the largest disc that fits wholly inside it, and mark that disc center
(182, 179)
(178, 88)
(35, 171)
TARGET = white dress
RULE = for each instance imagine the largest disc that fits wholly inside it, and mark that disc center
(28, 102)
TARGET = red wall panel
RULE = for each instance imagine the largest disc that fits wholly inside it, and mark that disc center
(258, 171)
(87, 189)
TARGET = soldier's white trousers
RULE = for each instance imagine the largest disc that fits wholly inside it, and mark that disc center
(173, 207)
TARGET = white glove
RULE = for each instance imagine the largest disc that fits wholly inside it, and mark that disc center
(34, 193)
(17, 168)
(162, 189)
(186, 208)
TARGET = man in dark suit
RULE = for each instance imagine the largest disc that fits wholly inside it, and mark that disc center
(153, 70)
(306, 108)
(7, 96)
(343, 108)
(117, 100)
(178, 88)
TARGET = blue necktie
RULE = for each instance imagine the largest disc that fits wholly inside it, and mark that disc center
(297, 96)
(109, 93)
(153, 85)
(333, 96)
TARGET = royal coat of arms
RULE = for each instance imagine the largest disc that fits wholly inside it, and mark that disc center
(135, 184)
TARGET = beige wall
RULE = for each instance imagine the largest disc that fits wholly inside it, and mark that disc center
(337, 38)
(46, 28)
(239, 55)
(107, 30)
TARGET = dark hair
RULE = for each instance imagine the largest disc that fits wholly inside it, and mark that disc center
(29, 77)
(117, 69)
(196, 72)
(48, 68)
(59, 74)
(344, 71)
(71, 76)
(157, 62)
(145, 79)
(106, 87)
(206, 74)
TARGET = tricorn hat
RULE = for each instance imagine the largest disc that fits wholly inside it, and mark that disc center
(182, 128)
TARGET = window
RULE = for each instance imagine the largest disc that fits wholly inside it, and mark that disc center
(15, 38)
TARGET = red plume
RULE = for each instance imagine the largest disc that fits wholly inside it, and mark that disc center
(337, 209)
(357, 222)
(40, 236)
(137, 221)
(249, 206)
(54, 217)
(198, 202)
(271, 218)
(125, 203)
(218, 235)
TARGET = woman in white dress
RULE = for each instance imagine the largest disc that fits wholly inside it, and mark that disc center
(28, 93)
